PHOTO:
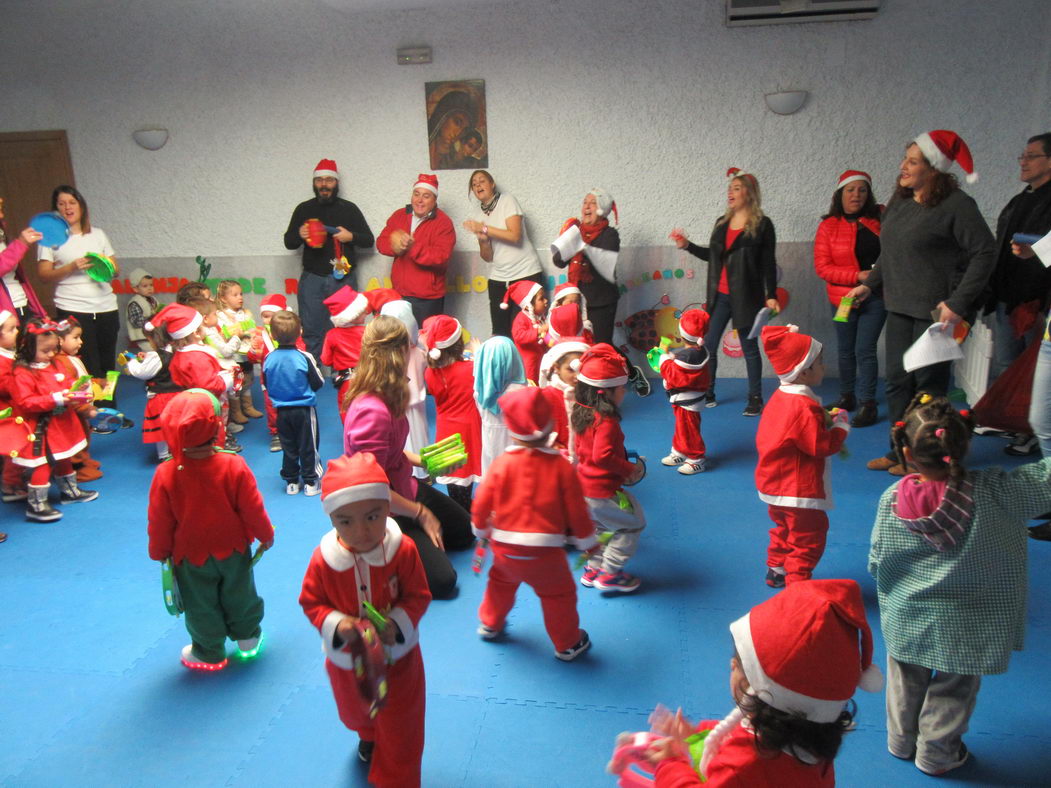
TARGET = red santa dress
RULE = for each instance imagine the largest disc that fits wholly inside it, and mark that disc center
(391, 578)
(531, 346)
(452, 387)
(686, 379)
(10, 431)
(37, 389)
(341, 352)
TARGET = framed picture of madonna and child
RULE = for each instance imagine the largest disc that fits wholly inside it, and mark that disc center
(456, 127)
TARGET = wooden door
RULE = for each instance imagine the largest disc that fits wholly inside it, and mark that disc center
(32, 164)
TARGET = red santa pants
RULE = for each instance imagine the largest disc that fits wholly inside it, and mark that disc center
(687, 440)
(271, 414)
(797, 540)
(548, 574)
(13, 478)
(397, 729)
(43, 473)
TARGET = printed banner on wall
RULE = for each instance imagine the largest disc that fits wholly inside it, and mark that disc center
(456, 126)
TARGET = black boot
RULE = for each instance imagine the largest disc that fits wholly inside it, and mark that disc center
(71, 492)
(754, 406)
(845, 402)
(38, 508)
(867, 415)
(1041, 532)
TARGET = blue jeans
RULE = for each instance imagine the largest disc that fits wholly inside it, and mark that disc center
(753, 362)
(1040, 404)
(856, 342)
(317, 320)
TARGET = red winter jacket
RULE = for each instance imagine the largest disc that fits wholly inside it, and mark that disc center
(420, 271)
(834, 258)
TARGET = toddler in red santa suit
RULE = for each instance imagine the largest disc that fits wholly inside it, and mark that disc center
(528, 507)
(558, 383)
(209, 545)
(795, 439)
(342, 348)
(686, 381)
(529, 328)
(365, 558)
(799, 657)
(569, 293)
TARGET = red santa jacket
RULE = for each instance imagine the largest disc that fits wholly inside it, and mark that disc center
(738, 763)
(834, 258)
(531, 498)
(37, 391)
(602, 462)
(794, 441)
(197, 367)
(686, 376)
(531, 346)
(7, 380)
(342, 348)
(390, 577)
(205, 507)
(420, 271)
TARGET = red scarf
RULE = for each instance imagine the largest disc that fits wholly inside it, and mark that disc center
(580, 270)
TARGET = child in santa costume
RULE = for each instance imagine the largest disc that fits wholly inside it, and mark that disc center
(799, 657)
(416, 368)
(261, 345)
(50, 432)
(568, 293)
(154, 368)
(67, 359)
(529, 328)
(342, 348)
(14, 485)
(604, 468)
(686, 381)
(529, 506)
(365, 558)
(558, 382)
(209, 544)
(795, 439)
(450, 380)
(498, 369)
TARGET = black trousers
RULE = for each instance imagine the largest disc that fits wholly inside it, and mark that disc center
(100, 330)
(501, 319)
(602, 320)
(899, 334)
(297, 431)
(456, 534)
(423, 308)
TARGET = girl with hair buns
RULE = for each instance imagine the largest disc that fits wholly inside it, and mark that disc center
(949, 557)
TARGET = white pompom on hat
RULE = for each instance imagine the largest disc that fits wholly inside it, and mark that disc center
(440, 332)
(942, 148)
(605, 202)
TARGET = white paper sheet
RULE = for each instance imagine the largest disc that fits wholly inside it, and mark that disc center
(1043, 250)
(934, 346)
(569, 244)
(761, 319)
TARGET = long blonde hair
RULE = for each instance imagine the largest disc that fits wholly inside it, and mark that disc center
(382, 368)
(755, 204)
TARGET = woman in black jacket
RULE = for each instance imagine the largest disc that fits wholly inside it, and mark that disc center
(742, 278)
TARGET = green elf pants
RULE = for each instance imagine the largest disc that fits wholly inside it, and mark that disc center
(220, 601)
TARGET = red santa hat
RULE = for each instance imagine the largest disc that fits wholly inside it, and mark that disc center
(326, 168)
(346, 305)
(522, 293)
(849, 176)
(693, 325)
(942, 147)
(565, 321)
(555, 354)
(178, 320)
(352, 479)
(737, 172)
(789, 351)
(605, 202)
(566, 289)
(380, 296)
(428, 182)
(192, 418)
(603, 367)
(806, 650)
(440, 332)
(275, 302)
(527, 414)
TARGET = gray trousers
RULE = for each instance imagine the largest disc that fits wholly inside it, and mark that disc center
(927, 713)
(317, 320)
(626, 526)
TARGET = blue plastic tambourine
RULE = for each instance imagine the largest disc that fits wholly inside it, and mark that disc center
(107, 420)
(53, 227)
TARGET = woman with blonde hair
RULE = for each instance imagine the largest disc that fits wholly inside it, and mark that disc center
(376, 423)
(742, 277)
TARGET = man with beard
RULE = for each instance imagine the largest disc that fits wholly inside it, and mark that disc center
(316, 283)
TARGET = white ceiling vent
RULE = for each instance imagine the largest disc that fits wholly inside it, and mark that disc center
(780, 12)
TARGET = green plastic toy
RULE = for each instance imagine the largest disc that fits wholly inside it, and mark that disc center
(172, 597)
(376, 617)
(6, 413)
(653, 355)
(244, 327)
(102, 268)
(603, 539)
(444, 456)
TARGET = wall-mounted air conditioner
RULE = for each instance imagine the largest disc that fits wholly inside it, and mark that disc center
(781, 12)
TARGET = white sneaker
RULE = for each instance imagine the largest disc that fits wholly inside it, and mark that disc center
(690, 467)
(673, 459)
(488, 633)
(292, 488)
(312, 489)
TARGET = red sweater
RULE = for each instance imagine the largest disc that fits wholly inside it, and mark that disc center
(834, 258)
(342, 348)
(794, 443)
(532, 499)
(205, 507)
(196, 367)
(602, 463)
(530, 345)
(420, 271)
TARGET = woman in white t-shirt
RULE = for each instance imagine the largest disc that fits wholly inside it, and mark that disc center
(498, 224)
(92, 303)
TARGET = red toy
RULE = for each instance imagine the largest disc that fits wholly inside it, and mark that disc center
(370, 665)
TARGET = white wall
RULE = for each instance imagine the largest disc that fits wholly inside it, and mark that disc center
(651, 100)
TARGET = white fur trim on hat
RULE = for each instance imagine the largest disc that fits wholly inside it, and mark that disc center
(449, 341)
(189, 328)
(607, 383)
(264, 308)
(6, 313)
(933, 153)
(812, 353)
(535, 435)
(354, 310)
(373, 491)
(428, 186)
(851, 179)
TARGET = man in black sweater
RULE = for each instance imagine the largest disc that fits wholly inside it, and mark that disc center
(352, 232)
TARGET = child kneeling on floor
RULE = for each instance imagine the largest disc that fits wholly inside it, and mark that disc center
(365, 558)
(205, 510)
(796, 665)
(528, 507)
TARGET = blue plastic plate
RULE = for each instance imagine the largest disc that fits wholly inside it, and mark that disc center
(53, 227)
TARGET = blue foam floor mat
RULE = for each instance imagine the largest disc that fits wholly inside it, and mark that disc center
(92, 692)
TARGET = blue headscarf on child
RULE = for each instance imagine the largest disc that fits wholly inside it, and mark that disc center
(496, 366)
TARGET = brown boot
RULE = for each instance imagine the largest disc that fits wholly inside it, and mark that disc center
(247, 408)
(85, 473)
(236, 416)
(881, 464)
